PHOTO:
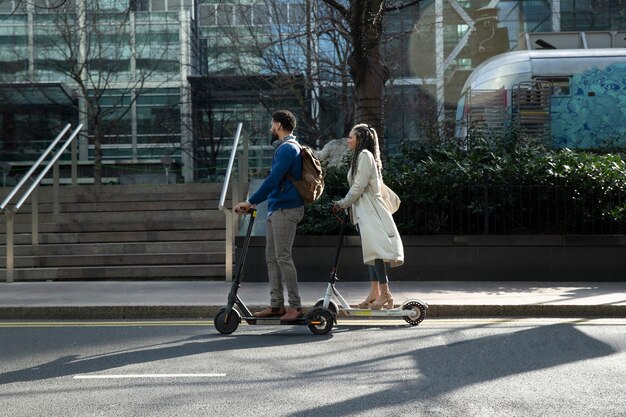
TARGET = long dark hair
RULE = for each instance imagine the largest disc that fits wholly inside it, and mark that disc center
(366, 138)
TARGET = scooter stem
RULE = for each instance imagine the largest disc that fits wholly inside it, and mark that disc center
(232, 296)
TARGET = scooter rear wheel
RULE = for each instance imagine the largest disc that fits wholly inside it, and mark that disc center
(224, 325)
(320, 321)
(418, 315)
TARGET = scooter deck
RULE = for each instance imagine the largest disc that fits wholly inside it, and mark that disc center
(361, 312)
(273, 321)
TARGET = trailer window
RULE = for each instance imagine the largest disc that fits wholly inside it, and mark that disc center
(560, 85)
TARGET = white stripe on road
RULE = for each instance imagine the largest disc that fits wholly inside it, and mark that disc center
(126, 376)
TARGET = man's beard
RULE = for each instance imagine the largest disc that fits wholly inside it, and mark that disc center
(275, 140)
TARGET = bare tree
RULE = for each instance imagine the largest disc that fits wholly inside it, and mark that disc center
(334, 44)
(95, 46)
(364, 21)
(286, 52)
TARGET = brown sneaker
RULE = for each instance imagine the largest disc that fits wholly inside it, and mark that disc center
(292, 314)
(270, 312)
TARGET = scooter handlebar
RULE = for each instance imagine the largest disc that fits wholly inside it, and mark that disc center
(244, 212)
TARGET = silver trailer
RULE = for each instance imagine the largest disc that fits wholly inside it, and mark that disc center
(574, 98)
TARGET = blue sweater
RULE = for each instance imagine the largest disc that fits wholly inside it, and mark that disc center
(279, 192)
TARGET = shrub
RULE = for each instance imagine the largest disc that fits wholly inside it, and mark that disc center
(503, 184)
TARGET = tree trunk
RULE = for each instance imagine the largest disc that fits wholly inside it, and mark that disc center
(369, 85)
(367, 68)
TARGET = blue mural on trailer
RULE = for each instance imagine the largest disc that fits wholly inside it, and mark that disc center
(594, 114)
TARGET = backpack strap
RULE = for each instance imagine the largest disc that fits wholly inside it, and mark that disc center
(295, 142)
(290, 177)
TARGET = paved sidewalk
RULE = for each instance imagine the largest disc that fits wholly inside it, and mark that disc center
(190, 299)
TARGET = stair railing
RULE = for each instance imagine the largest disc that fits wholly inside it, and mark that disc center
(10, 212)
(238, 186)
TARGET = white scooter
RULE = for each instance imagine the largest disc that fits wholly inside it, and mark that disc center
(412, 311)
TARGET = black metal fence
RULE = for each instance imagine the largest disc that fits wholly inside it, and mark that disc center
(505, 210)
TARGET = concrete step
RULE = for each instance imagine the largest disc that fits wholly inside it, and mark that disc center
(108, 260)
(121, 232)
(159, 205)
(139, 194)
(88, 227)
(127, 236)
(164, 202)
(117, 248)
(141, 272)
(70, 196)
(124, 217)
(46, 191)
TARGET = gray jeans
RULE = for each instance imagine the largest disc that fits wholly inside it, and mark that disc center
(280, 233)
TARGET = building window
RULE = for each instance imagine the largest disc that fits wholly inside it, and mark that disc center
(243, 14)
(257, 13)
(6, 7)
(158, 5)
(579, 15)
(260, 15)
(224, 15)
(143, 5)
(207, 14)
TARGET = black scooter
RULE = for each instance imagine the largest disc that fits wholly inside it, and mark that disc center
(320, 319)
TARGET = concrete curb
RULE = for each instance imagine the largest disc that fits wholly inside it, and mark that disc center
(203, 311)
(550, 310)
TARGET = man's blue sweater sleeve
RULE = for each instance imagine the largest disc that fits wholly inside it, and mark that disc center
(283, 159)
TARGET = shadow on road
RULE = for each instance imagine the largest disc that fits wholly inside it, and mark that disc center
(76, 364)
(445, 368)
(438, 369)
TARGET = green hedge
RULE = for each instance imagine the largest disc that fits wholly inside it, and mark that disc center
(497, 180)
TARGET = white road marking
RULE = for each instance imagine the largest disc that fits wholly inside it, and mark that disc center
(129, 376)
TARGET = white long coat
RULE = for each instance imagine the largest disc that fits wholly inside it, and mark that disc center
(379, 235)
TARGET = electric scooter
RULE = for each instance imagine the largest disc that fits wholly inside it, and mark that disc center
(412, 311)
(320, 320)
(323, 315)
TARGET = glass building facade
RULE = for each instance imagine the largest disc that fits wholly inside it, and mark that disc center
(124, 65)
(151, 78)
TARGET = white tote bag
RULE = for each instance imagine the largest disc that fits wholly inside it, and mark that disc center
(391, 199)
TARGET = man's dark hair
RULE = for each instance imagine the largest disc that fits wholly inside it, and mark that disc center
(286, 119)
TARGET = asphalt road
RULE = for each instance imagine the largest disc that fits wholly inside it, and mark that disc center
(478, 367)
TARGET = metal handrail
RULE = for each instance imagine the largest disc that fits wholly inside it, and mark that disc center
(231, 219)
(34, 167)
(50, 164)
(229, 169)
(10, 214)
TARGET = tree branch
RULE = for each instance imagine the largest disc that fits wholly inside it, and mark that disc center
(335, 5)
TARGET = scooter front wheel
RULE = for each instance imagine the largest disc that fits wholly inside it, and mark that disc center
(226, 325)
(332, 306)
(418, 313)
(320, 321)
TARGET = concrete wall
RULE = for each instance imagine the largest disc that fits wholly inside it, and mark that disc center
(460, 258)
